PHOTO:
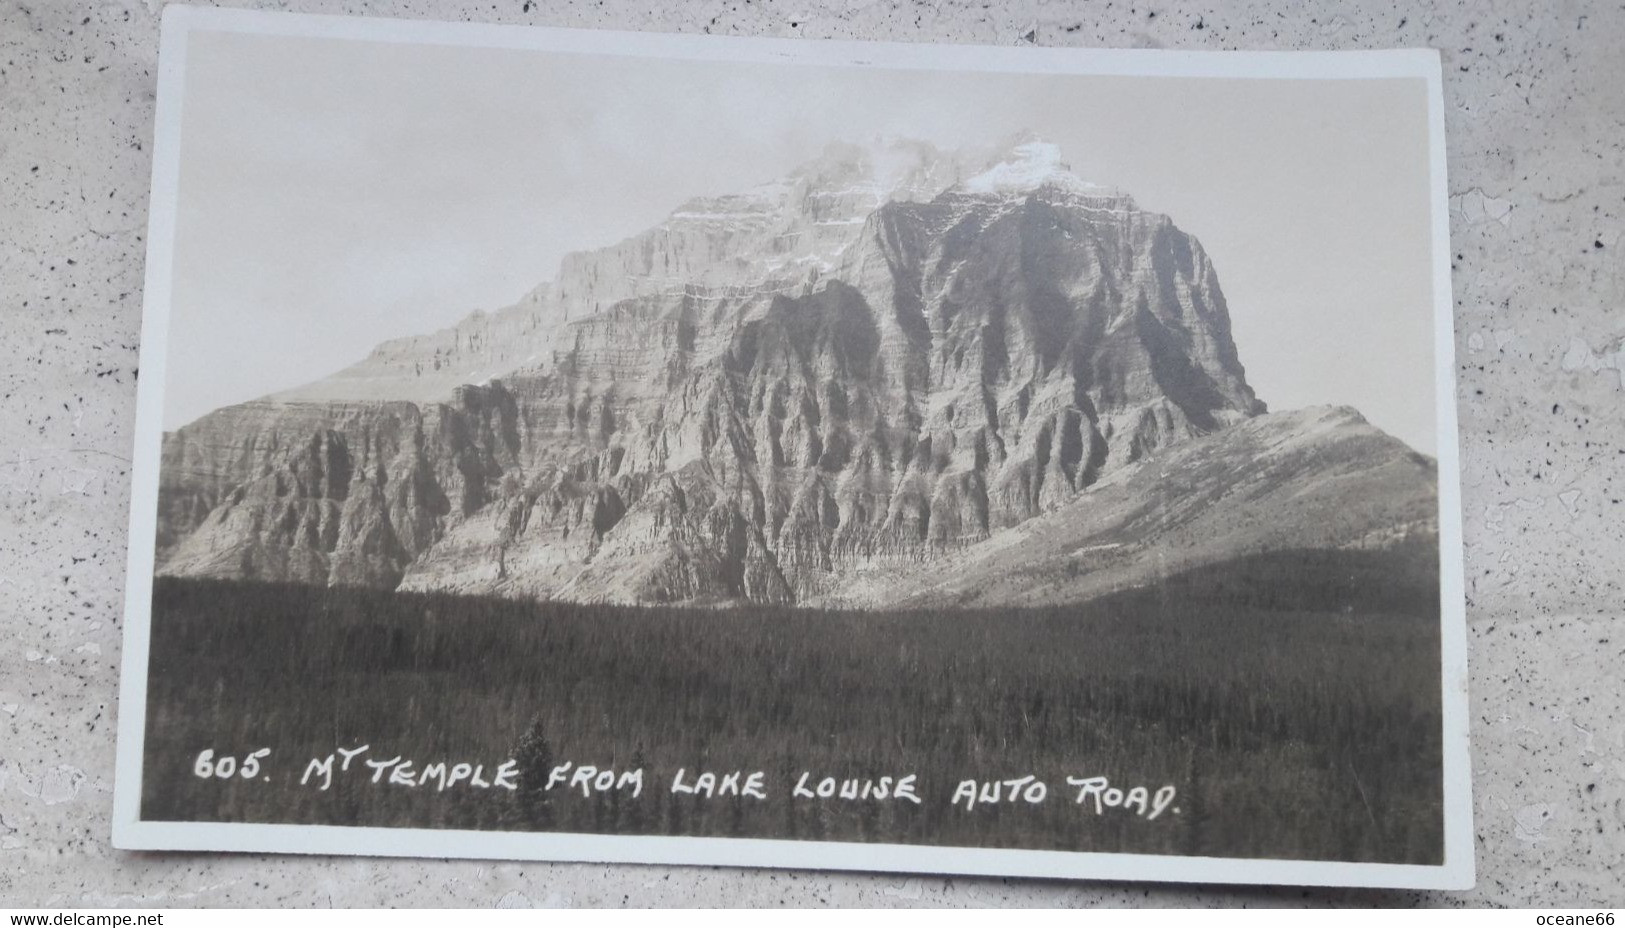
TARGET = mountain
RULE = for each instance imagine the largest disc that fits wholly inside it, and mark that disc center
(890, 358)
(1312, 479)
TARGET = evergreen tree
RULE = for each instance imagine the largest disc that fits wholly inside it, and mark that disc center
(534, 756)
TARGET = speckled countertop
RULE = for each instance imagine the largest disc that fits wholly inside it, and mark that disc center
(1535, 100)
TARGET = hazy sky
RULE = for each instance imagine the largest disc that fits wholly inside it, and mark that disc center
(336, 193)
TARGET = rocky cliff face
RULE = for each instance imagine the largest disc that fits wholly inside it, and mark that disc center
(881, 359)
(326, 493)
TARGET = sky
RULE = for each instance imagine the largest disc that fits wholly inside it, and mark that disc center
(337, 193)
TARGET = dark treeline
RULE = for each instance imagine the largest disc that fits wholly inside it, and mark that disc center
(1291, 698)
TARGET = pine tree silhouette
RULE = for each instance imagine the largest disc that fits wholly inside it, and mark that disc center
(535, 758)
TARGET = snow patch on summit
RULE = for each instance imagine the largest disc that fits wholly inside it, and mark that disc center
(1031, 165)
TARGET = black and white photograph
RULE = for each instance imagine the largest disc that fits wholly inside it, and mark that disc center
(574, 445)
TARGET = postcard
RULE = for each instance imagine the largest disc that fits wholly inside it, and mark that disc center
(570, 445)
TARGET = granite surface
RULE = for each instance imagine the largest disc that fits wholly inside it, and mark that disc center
(1535, 99)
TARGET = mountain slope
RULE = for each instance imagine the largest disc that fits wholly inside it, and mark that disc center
(1318, 478)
